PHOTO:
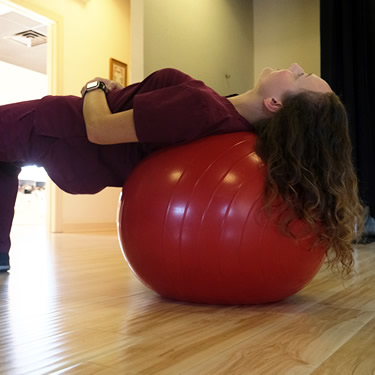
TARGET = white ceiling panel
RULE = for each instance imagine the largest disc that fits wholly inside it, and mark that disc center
(13, 52)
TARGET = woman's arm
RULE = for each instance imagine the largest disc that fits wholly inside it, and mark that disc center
(104, 127)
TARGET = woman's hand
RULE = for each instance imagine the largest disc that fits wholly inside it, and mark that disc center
(109, 85)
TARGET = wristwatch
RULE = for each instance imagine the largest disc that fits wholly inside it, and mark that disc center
(94, 85)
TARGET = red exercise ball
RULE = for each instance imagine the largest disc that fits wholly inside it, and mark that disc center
(191, 227)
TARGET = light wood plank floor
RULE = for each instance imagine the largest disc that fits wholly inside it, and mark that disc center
(70, 305)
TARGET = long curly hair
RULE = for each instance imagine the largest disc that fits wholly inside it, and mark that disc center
(308, 156)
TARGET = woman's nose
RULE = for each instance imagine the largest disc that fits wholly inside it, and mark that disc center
(295, 68)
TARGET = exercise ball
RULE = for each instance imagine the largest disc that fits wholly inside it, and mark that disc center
(192, 228)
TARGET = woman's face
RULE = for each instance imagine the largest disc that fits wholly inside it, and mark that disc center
(276, 82)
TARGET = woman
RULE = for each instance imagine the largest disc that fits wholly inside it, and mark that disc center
(90, 143)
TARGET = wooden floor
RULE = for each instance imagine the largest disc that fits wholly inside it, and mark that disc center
(70, 305)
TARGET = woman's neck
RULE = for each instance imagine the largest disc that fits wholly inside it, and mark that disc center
(250, 106)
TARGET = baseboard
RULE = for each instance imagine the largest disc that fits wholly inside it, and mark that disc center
(89, 227)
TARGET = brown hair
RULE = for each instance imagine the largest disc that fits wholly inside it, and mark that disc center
(308, 156)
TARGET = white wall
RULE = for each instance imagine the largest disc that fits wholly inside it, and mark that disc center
(137, 73)
(19, 84)
(286, 31)
(207, 39)
(211, 38)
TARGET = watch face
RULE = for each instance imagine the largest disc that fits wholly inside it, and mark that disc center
(92, 85)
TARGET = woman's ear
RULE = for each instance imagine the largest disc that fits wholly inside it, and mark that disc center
(272, 104)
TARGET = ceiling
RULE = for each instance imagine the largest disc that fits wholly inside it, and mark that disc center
(16, 53)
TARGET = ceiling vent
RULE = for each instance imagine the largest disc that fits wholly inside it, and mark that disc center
(29, 38)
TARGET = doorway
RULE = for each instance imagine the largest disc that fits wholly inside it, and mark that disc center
(23, 67)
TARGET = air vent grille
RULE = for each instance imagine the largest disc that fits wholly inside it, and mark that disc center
(29, 38)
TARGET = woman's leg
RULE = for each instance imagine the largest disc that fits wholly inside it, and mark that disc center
(8, 194)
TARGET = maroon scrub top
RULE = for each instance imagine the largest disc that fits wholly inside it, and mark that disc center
(169, 106)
